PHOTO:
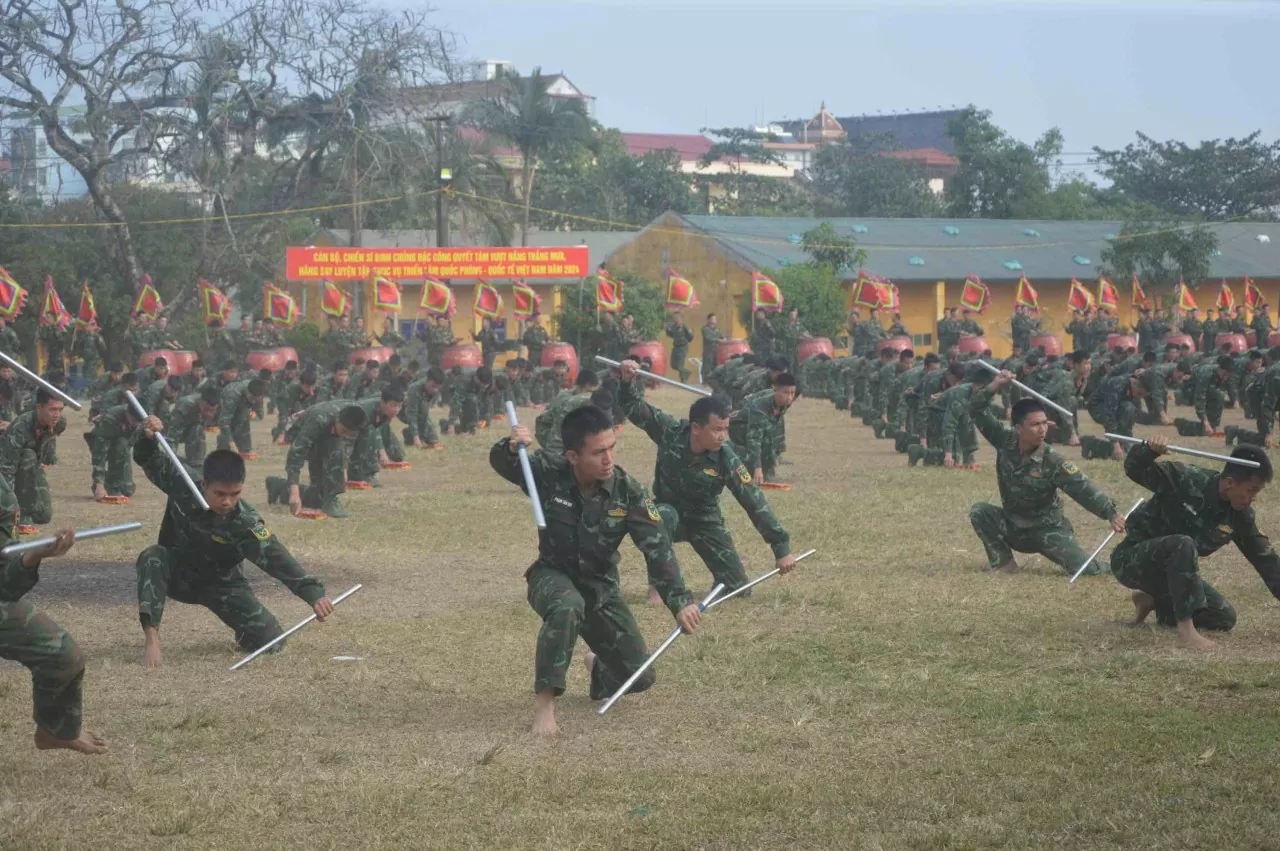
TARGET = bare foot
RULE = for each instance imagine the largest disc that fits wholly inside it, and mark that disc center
(1009, 567)
(655, 599)
(1143, 605)
(1074, 441)
(1189, 638)
(589, 659)
(151, 653)
(88, 743)
(544, 715)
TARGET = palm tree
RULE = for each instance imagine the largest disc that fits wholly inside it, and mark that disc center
(522, 114)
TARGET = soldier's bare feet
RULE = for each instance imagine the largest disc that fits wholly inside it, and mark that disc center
(1191, 639)
(151, 651)
(544, 714)
(655, 599)
(87, 743)
(589, 659)
(1011, 566)
(1143, 605)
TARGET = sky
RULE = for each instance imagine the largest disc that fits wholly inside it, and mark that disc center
(1100, 71)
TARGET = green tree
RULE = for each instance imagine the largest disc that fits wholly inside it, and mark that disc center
(999, 177)
(862, 180)
(816, 291)
(1161, 252)
(540, 126)
(577, 319)
(829, 248)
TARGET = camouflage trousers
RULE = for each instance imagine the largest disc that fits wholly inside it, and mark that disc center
(1054, 541)
(679, 355)
(1168, 568)
(34, 640)
(117, 476)
(464, 414)
(962, 446)
(238, 432)
(327, 467)
(32, 490)
(711, 541)
(193, 444)
(364, 453)
(767, 460)
(1098, 448)
(162, 576)
(1195, 428)
(1237, 435)
(605, 624)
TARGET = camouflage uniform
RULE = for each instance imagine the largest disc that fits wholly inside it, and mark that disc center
(293, 400)
(185, 425)
(25, 447)
(199, 557)
(787, 344)
(1182, 521)
(573, 586)
(465, 400)
(35, 641)
(761, 338)
(1030, 518)
(416, 414)
(233, 416)
(688, 487)
(711, 338)
(681, 336)
(373, 439)
(755, 431)
(314, 441)
(957, 431)
(11, 344)
(92, 351)
(109, 444)
(535, 339)
(546, 428)
(1113, 406)
(1209, 398)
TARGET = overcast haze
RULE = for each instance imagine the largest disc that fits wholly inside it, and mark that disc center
(1099, 71)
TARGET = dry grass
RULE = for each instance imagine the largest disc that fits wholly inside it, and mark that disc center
(890, 695)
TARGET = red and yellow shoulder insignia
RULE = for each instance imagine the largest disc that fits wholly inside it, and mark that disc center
(743, 475)
(1069, 468)
(652, 510)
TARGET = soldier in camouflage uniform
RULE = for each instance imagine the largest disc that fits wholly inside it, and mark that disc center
(160, 396)
(109, 445)
(238, 399)
(547, 425)
(420, 429)
(92, 351)
(10, 343)
(319, 440)
(280, 381)
(369, 452)
(467, 390)
(754, 428)
(157, 370)
(890, 392)
(681, 336)
(695, 463)
(113, 396)
(787, 344)
(295, 398)
(490, 345)
(199, 556)
(762, 335)
(1209, 394)
(188, 419)
(32, 639)
(882, 368)
(535, 339)
(590, 505)
(1114, 405)
(1192, 513)
(911, 403)
(712, 336)
(1030, 474)
(932, 389)
(30, 442)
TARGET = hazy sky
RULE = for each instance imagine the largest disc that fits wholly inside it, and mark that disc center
(1098, 70)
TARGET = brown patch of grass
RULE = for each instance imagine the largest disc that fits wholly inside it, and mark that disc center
(891, 694)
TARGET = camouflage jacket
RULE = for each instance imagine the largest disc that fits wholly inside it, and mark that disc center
(693, 483)
(185, 414)
(535, 339)
(1184, 501)
(25, 435)
(295, 398)
(1029, 484)
(416, 413)
(302, 433)
(584, 531)
(213, 546)
(546, 428)
(1204, 377)
(112, 425)
(753, 424)
(15, 579)
(681, 335)
(234, 404)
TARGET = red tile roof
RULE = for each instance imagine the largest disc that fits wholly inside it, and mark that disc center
(927, 156)
(688, 147)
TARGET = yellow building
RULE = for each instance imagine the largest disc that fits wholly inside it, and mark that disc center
(929, 260)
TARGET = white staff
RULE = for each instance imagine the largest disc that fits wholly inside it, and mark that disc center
(529, 483)
(615, 364)
(40, 543)
(273, 642)
(1105, 541)
(1044, 400)
(671, 639)
(1226, 459)
(173, 456)
(38, 380)
(756, 581)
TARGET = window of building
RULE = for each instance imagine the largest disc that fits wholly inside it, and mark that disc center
(921, 340)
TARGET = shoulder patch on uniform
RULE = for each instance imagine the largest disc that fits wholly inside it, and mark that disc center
(1070, 468)
(260, 531)
(1225, 529)
(711, 471)
(652, 510)
(743, 475)
(617, 512)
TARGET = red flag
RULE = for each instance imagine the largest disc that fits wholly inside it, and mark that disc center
(1139, 298)
(891, 301)
(386, 295)
(437, 298)
(1079, 297)
(488, 300)
(12, 295)
(975, 294)
(88, 314)
(680, 292)
(279, 306)
(1252, 295)
(1108, 296)
(765, 294)
(867, 292)
(148, 303)
(1186, 303)
(525, 302)
(53, 312)
(608, 292)
(216, 305)
(1027, 295)
(335, 301)
(1226, 298)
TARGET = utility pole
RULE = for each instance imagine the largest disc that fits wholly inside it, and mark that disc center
(444, 177)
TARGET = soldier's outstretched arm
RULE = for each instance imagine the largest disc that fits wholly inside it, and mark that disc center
(646, 416)
(752, 500)
(1256, 547)
(259, 545)
(1140, 466)
(1068, 477)
(155, 464)
(996, 432)
(10, 453)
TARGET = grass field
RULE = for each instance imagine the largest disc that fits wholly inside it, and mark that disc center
(890, 694)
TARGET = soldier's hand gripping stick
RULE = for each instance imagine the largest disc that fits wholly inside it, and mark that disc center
(529, 483)
(699, 390)
(22, 370)
(273, 642)
(1105, 541)
(756, 581)
(671, 639)
(1226, 459)
(41, 543)
(1042, 399)
(173, 456)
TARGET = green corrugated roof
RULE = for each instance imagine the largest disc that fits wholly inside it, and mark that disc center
(950, 249)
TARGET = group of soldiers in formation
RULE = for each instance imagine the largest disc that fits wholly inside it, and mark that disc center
(338, 425)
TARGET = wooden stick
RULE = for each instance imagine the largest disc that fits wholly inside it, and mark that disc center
(615, 364)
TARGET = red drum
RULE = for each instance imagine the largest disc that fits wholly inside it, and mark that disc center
(1049, 342)
(553, 352)
(1128, 341)
(1236, 340)
(653, 350)
(179, 361)
(382, 353)
(976, 345)
(468, 355)
(729, 348)
(1181, 340)
(272, 359)
(1251, 337)
(1273, 339)
(816, 346)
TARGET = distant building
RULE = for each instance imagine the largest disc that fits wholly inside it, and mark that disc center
(453, 98)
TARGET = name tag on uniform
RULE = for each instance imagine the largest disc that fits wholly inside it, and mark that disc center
(561, 501)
